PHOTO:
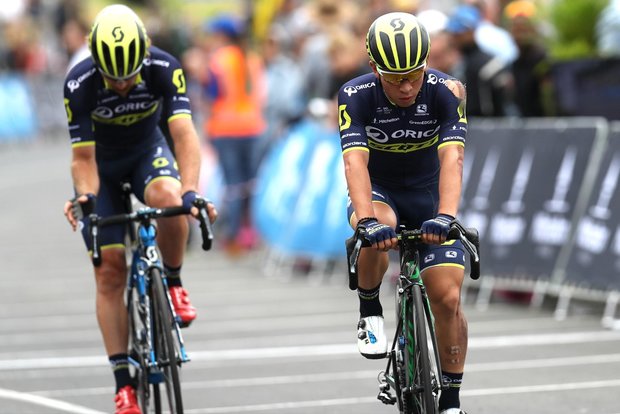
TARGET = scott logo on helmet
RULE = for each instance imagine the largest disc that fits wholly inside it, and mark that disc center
(118, 34)
(397, 24)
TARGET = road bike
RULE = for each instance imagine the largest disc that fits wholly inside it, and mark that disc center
(156, 348)
(413, 369)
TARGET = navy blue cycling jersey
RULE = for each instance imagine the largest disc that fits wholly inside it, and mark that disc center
(402, 142)
(98, 115)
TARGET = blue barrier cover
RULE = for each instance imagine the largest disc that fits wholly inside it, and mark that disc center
(17, 116)
(301, 194)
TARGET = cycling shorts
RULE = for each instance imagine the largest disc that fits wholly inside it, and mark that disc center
(412, 207)
(139, 168)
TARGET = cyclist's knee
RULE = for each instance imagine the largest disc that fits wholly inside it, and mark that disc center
(163, 193)
(111, 275)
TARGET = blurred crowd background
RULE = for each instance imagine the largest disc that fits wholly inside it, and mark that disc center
(277, 64)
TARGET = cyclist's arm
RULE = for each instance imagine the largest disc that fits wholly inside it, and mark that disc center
(85, 178)
(84, 170)
(358, 181)
(450, 178)
(187, 151)
(451, 151)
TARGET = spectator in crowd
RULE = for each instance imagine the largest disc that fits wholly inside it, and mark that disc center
(532, 69)
(235, 89)
(347, 58)
(285, 101)
(24, 51)
(487, 78)
(325, 16)
(443, 56)
(74, 34)
(490, 37)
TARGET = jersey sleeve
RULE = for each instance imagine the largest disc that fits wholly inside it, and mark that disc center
(351, 121)
(77, 107)
(173, 87)
(453, 118)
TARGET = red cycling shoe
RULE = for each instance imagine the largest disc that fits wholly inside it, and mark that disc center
(126, 402)
(182, 306)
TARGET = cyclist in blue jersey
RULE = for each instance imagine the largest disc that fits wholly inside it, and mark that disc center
(114, 101)
(402, 130)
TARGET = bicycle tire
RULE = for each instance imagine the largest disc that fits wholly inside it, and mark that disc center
(138, 348)
(165, 349)
(423, 392)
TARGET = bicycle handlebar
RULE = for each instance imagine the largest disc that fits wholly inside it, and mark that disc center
(146, 214)
(468, 236)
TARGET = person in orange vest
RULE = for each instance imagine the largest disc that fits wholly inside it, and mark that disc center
(235, 90)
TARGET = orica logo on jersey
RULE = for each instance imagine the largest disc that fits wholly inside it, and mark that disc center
(73, 84)
(156, 62)
(350, 90)
(381, 136)
(433, 79)
(108, 113)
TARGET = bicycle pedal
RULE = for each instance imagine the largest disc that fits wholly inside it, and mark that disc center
(386, 398)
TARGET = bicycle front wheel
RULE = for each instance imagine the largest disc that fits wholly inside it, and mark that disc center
(424, 383)
(138, 346)
(165, 349)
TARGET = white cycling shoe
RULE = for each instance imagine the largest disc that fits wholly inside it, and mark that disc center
(371, 340)
(453, 411)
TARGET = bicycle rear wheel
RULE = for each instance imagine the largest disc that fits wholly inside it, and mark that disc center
(166, 352)
(138, 347)
(424, 382)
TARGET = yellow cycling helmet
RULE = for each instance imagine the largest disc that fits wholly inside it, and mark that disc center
(397, 42)
(118, 42)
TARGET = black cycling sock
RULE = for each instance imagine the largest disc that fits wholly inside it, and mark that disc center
(450, 397)
(173, 274)
(369, 302)
(120, 368)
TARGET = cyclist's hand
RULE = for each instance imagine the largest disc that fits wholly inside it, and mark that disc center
(79, 207)
(381, 236)
(189, 197)
(435, 231)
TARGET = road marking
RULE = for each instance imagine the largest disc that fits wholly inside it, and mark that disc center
(317, 350)
(348, 376)
(46, 402)
(368, 400)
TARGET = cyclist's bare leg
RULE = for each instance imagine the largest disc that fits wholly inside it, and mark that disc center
(172, 231)
(110, 279)
(443, 284)
(373, 263)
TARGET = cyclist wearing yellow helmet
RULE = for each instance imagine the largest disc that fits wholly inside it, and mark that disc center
(114, 101)
(402, 132)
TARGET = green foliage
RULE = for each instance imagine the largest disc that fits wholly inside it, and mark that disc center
(574, 22)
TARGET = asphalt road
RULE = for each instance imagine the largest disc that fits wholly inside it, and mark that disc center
(261, 344)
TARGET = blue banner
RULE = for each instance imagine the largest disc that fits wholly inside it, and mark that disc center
(17, 116)
(300, 203)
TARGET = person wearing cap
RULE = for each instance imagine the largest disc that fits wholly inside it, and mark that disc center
(402, 130)
(114, 100)
(488, 78)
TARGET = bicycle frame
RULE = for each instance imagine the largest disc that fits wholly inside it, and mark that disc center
(145, 257)
(402, 374)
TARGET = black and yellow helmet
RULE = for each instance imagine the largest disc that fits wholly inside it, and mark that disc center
(118, 42)
(397, 42)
